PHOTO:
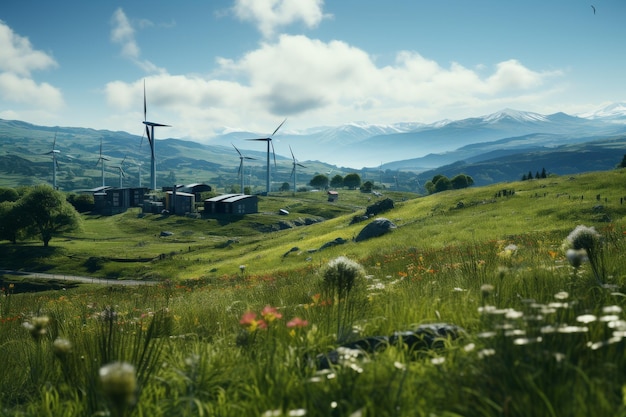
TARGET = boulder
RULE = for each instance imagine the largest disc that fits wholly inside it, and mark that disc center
(379, 207)
(424, 337)
(338, 241)
(376, 228)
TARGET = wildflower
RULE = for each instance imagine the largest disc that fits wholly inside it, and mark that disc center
(61, 347)
(576, 257)
(583, 237)
(270, 314)
(486, 289)
(37, 326)
(297, 322)
(250, 322)
(119, 383)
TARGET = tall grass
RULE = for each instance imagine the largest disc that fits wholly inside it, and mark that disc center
(540, 336)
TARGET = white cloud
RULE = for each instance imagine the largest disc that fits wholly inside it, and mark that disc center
(270, 15)
(324, 83)
(17, 55)
(123, 34)
(18, 59)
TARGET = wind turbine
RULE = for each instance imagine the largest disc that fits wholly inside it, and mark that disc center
(121, 172)
(293, 170)
(101, 159)
(269, 143)
(150, 134)
(55, 163)
(241, 171)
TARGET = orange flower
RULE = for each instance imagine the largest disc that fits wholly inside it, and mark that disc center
(297, 322)
(270, 314)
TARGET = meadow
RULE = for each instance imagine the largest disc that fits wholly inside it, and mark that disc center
(241, 322)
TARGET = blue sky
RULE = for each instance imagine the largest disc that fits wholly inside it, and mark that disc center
(217, 66)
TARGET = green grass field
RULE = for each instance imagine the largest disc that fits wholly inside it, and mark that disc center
(239, 317)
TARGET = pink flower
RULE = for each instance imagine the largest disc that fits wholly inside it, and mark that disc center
(270, 314)
(297, 322)
(250, 322)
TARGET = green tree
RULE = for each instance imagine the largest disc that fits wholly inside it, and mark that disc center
(284, 186)
(81, 202)
(461, 181)
(319, 181)
(430, 187)
(336, 181)
(8, 194)
(623, 163)
(352, 181)
(367, 187)
(10, 222)
(46, 213)
(443, 183)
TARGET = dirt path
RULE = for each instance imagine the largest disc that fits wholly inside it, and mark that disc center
(74, 278)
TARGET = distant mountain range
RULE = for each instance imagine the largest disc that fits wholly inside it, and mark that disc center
(497, 147)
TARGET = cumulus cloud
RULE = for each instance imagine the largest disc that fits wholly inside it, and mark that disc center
(270, 15)
(18, 59)
(324, 83)
(123, 33)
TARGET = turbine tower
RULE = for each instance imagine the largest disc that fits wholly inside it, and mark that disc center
(120, 168)
(150, 134)
(101, 159)
(293, 170)
(241, 171)
(55, 163)
(269, 143)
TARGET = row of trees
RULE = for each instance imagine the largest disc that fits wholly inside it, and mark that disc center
(321, 181)
(441, 183)
(538, 175)
(35, 212)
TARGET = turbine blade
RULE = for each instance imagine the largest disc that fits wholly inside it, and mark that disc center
(148, 134)
(237, 150)
(240, 167)
(54, 142)
(293, 171)
(279, 126)
(293, 157)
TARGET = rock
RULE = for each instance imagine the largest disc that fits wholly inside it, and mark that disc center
(376, 228)
(379, 207)
(283, 212)
(165, 234)
(427, 336)
(338, 241)
(294, 249)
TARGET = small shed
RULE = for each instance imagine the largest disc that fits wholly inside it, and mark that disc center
(180, 203)
(109, 201)
(232, 204)
(333, 196)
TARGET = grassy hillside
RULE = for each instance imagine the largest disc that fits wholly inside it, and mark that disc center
(130, 245)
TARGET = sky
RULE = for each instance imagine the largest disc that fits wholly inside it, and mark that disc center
(216, 66)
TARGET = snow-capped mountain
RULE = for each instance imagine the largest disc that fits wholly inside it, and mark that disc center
(614, 112)
(360, 144)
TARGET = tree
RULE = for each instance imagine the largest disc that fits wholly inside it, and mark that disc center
(430, 187)
(367, 187)
(461, 181)
(352, 181)
(284, 186)
(46, 213)
(443, 184)
(543, 173)
(336, 181)
(10, 222)
(81, 202)
(8, 194)
(623, 163)
(319, 181)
